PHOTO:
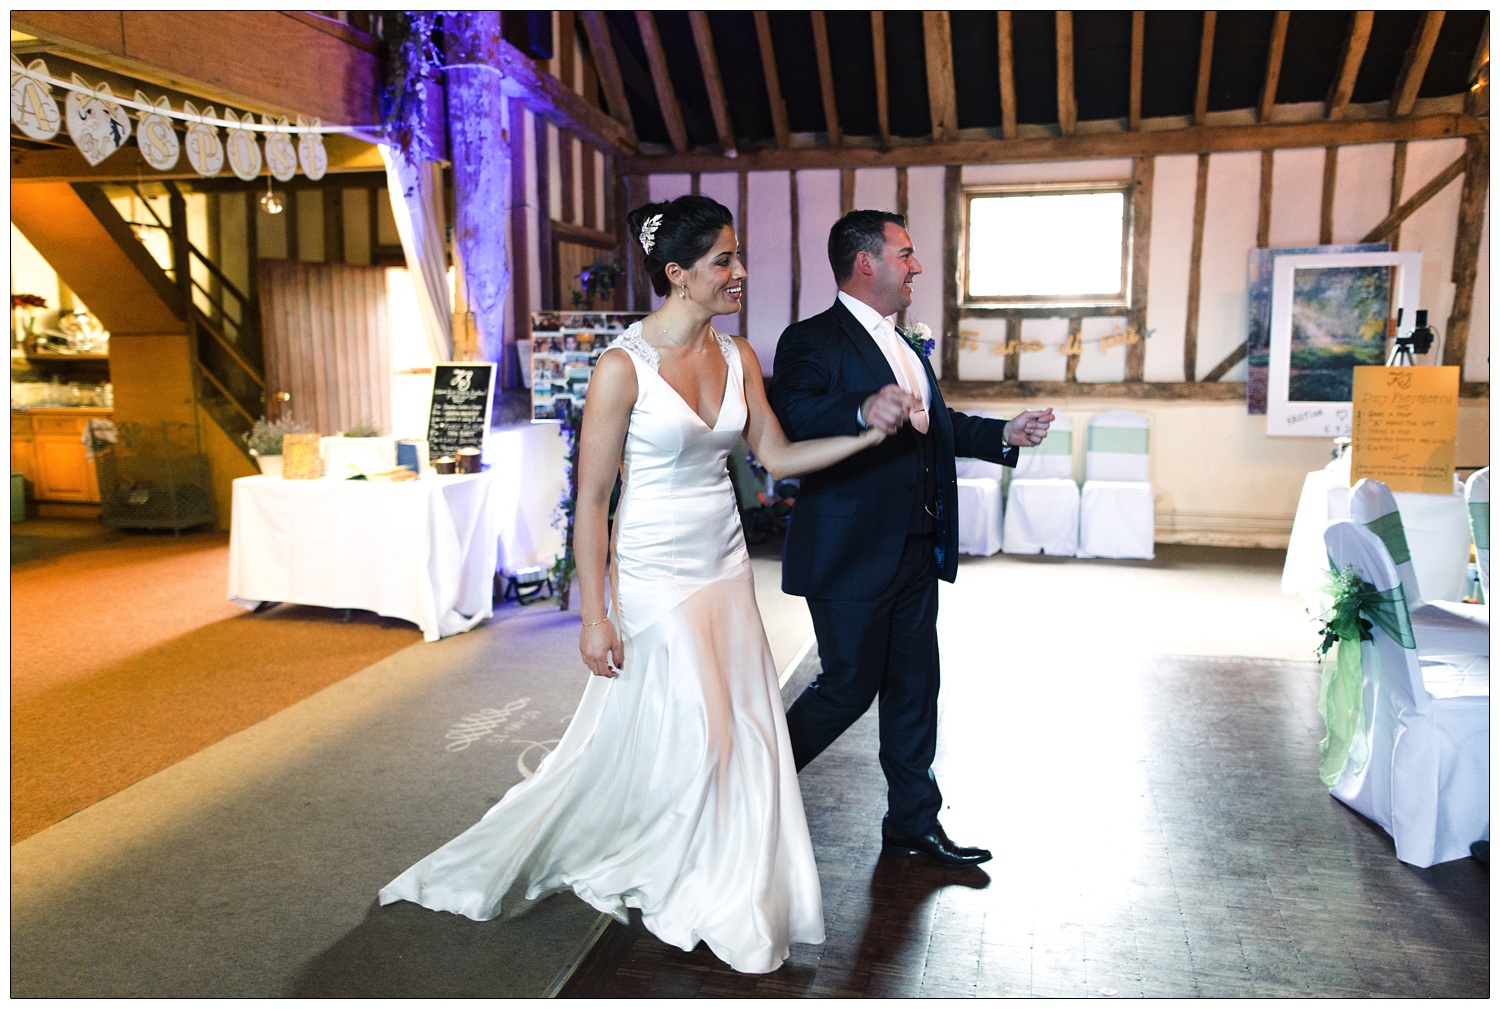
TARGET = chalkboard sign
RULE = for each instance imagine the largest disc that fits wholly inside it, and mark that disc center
(462, 401)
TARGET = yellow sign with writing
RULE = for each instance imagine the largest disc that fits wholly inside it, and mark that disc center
(1405, 423)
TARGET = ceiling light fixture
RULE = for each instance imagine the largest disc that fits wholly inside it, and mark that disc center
(270, 203)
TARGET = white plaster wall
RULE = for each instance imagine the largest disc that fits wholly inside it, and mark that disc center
(982, 363)
(1048, 364)
(1097, 363)
(1113, 170)
(765, 238)
(1229, 225)
(669, 187)
(875, 189)
(724, 187)
(818, 209)
(1172, 196)
(1296, 196)
(924, 220)
(1362, 195)
(1433, 229)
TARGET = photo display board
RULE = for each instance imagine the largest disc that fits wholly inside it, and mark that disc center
(462, 401)
(565, 346)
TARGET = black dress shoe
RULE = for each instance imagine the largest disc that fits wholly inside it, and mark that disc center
(935, 845)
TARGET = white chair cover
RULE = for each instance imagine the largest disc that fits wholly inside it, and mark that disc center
(1118, 507)
(981, 514)
(1426, 781)
(1477, 497)
(1440, 627)
(1042, 513)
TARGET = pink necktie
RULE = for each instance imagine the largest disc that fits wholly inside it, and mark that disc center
(913, 385)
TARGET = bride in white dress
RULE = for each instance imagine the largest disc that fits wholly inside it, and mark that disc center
(673, 789)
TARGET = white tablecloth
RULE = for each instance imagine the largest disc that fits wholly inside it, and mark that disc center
(422, 550)
(1437, 532)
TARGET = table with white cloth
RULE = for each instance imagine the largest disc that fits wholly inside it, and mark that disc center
(1436, 526)
(419, 550)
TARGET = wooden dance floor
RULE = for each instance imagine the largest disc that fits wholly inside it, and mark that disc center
(1159, 830)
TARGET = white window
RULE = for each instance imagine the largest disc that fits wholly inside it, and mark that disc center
(1047, 247)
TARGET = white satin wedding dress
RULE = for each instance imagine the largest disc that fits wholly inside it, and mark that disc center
(673, 789)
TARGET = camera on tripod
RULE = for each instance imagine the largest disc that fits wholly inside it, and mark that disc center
(1419, 341)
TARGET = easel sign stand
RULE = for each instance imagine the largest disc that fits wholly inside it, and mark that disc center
(462, 403)
(1406, 419)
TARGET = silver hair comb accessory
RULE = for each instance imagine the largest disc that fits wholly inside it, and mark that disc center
(648, 233)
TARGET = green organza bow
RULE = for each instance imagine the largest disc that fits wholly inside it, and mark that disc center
(1357, 607)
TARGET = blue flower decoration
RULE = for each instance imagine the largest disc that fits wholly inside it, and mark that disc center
(919, 338)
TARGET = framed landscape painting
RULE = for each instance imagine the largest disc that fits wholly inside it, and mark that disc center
(1331, 313)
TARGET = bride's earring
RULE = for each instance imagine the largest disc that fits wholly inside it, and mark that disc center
(682, 293)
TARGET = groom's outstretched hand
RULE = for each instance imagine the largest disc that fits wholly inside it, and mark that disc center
(1028, 428)
(888, 408)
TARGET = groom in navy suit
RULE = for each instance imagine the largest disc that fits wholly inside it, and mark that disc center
(870, 537)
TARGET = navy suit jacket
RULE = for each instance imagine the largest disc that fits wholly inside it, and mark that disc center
(850, 521)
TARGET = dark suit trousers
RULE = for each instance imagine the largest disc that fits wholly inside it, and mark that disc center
(885, 647)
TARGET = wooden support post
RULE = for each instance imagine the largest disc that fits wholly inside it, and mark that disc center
(1007, 77)
(744, 235)
(695, 183)
(1267, 182)
(1067, 103)
(591, 215)
(1330, 188)
(546, 261)
(1205, 66)
(796, 242)
(333, 225)
(1013, 348)
(1273, 65)
(1195, 276)
(1137, 69)
(1398, 183)
(1387, 227)
(666, 95)
(569, 210)
(519, 247)
(1471, 206)
(637, 194)
(901, 200)
(563, 47)
(1144, 172)
(1075, 327)
(825, 79)
(289, 212)
(882, 95)
(952, 230)
(941, 97)
(773, 80)
(846, 190)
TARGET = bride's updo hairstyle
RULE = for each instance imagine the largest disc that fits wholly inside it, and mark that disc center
(678, 231)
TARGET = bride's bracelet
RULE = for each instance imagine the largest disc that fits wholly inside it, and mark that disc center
(596, 623)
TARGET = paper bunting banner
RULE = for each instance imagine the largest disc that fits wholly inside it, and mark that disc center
(281, 156)
(1070, 347)
(155, 136)
(310, 149)
(97, 125)
(204, 149)
(32, 107)
(244, 152)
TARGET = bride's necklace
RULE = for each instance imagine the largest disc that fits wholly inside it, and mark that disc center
(668, 336)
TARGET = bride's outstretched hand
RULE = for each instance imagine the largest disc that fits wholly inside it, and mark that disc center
(599, 643)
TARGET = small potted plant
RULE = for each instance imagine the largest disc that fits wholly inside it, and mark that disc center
(264, 440)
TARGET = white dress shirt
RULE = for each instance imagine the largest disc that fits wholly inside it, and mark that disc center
(883, 331)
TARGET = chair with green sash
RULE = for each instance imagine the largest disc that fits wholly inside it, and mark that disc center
(1441, 627)
(1041, 513)
(1477, 495)
(1117, 513)
(1407, 741)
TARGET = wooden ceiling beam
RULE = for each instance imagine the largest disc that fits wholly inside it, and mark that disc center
(608, 65)
(1355, 45)
(1079, 147)
(1137, 65)
(1273, 65)
(666, 95)
(1205, 66)
(1386, 228)
(1007, 77)
(882, 95)
(825, 79)
(703, 39)
(773, 80)
(942, 100)
(1414, 67)
(1067, 102)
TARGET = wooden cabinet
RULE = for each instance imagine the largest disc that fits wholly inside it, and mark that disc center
(47, 446)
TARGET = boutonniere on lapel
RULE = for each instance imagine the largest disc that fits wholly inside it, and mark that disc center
(919, 337)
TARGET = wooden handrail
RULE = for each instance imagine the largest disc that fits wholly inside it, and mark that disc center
(227, 394)
(203, 323)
